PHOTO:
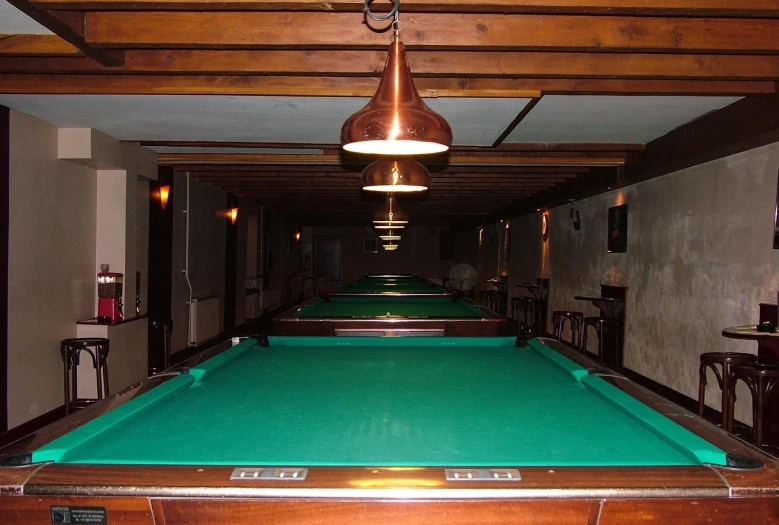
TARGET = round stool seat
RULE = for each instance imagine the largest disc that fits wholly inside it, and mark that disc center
(761, 380)
(70, 349)
(720, 363)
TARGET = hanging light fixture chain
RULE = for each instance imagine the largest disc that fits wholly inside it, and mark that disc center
(392, 14)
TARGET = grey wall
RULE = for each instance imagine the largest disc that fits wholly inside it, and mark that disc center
(208, 223)
(418, 252)
(699, 258)
(51, 264)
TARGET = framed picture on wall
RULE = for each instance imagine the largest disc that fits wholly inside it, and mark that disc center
(618, 229)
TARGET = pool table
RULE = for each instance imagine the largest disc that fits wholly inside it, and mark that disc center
(389, 315)
(386, 430)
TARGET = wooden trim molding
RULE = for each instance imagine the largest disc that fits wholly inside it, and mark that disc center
(33, 425)
(5, 169)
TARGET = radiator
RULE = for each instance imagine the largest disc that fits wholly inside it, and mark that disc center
(204, 320)
(270, 299)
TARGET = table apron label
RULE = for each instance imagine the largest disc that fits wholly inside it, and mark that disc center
(61, 514)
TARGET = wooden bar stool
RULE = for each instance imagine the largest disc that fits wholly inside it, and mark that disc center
(761, 380)
(602, 325)
(489, 298)
(575, 319)
(723, 360)
(525, 311)
(97, 348)
(165, 328)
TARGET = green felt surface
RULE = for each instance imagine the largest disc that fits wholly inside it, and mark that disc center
(389, 306)
(388, 401)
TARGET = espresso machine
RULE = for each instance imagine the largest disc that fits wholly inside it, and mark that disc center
(109, 296)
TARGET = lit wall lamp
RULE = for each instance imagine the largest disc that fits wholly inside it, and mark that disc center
(164, 194)
(297, 236)
(544, 226)
(232, 214)
(395, 176)
(396, 121)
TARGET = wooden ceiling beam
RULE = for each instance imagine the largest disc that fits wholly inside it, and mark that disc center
(196, 169)
(356, 181)
(446, 64)
(36, 46)
(708, 8)
(170, 29)
(70, 26)
(524, 146)
(580, 159)
(87, 84)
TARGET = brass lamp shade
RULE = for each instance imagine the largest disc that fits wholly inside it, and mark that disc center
(390, 214)
(389, 245)
(396, 121)
(395, 176)
(391, 234)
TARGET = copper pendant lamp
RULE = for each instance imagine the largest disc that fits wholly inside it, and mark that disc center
(390, 216)
(396, 121)
(389, 175)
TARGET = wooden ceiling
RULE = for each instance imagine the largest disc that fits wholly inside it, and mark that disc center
(480, 49)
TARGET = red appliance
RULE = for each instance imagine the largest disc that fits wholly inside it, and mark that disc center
(109, 297)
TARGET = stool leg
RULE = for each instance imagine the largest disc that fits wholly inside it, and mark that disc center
(601, 333)
(701, 388)
(584, 339)
(576, 335)
(757, 417)
(167, 348)
(104, 367)
(66, 363)
(74, 375)
(727, 403)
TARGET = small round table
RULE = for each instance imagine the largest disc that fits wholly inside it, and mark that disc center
(749, 332)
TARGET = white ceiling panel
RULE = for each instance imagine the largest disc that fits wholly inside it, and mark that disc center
(259, 151)
(477, 121)
(256, 119)
(604, 119)
(13, 22)
(190, 117)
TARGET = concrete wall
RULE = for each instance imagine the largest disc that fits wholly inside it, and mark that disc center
(51, 264)
(418, 252)
(61, 181)
(699, 259)
(208, 223)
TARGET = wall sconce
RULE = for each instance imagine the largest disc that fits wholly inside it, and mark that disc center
(396, 121)
(545, 226)
(297, 236)
(232, 214)
(164, 194)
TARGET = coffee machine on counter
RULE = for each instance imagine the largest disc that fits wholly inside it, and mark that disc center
(109, 295)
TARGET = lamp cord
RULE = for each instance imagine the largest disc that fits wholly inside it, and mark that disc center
(394, 13)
